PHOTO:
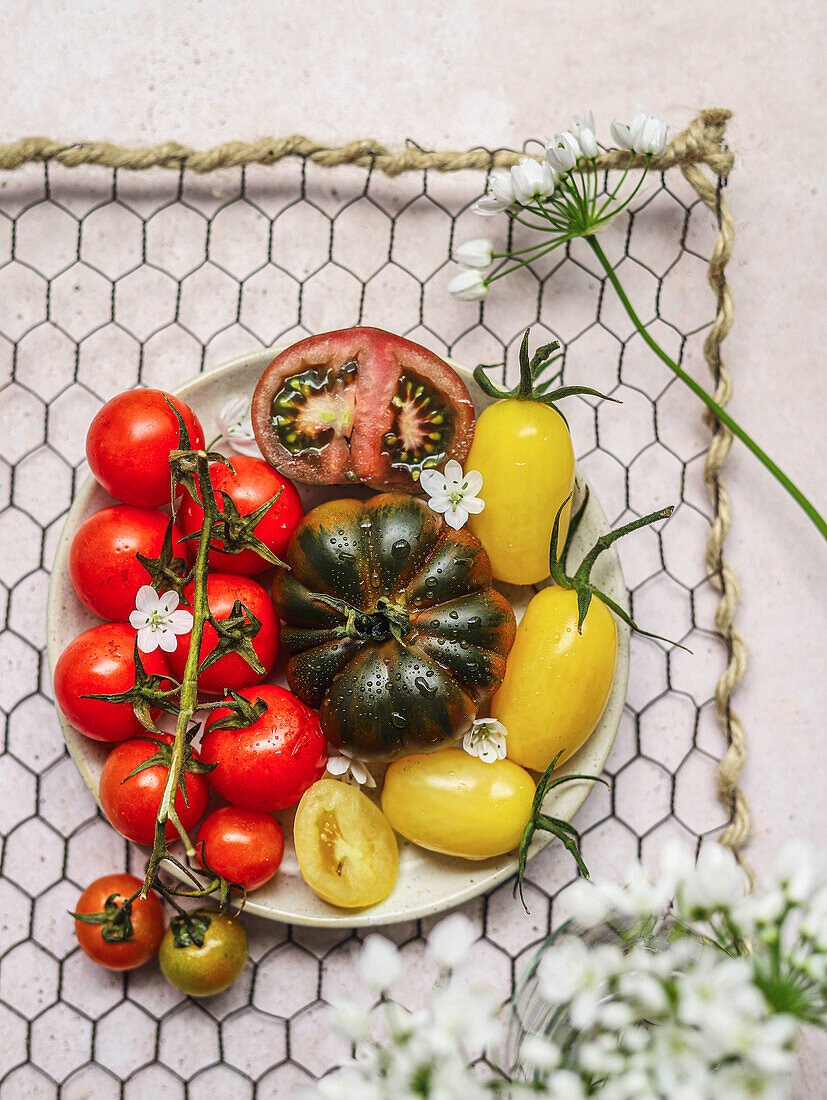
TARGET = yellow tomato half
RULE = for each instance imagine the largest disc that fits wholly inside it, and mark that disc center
(346, 849)
(557, 682)
(453, 803)
(523, 450)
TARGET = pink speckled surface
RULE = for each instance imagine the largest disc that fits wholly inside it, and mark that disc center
(453, 75)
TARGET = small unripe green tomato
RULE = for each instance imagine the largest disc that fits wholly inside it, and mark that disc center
(211, 968)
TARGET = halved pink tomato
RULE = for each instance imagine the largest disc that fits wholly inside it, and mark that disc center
(361, 405)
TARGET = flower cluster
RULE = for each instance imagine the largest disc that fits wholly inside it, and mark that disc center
(658, 998)
(554, 195)
(677, 1006)
(412, 1055)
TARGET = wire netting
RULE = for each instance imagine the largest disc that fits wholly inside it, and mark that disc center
(109, 279)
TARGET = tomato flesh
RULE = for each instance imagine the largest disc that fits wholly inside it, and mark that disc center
(363, 405)
(346, 849)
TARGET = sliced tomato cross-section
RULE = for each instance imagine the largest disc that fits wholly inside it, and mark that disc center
(361, 405)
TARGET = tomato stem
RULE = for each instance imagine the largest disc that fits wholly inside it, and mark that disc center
(189, 683)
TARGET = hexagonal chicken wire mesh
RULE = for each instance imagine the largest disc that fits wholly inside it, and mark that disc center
(112, 278)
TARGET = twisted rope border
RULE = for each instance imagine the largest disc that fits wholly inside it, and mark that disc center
(700, 146)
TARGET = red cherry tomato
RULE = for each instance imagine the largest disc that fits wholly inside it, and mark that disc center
(231, 671)
(146, 915)
(250, 483)
(245, 846)
(100, 662)
(131, 804)
(129, 441)
(270, 764)
(103, 568)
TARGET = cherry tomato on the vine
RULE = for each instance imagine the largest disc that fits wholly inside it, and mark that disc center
(250, 483)
(145, 915)
(103, 566)
(203, 971)
(129, 441)
(245, 846)
(131, 804)
(231, 670)
(270, 764)
(100, 662)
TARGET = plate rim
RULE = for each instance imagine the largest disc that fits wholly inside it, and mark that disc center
(338, 918)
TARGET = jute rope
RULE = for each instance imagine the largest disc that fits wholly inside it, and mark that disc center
(729, 772)
(695, 145)
(701, 146)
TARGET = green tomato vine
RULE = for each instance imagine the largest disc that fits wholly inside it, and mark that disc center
(223, 524)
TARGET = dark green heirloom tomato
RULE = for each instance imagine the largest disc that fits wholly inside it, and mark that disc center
(394, 629)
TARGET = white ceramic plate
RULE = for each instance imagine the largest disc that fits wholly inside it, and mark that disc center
(427, 883)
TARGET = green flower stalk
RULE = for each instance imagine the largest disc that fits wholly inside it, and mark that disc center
(559, 199)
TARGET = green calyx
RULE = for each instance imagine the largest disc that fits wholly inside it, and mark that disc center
(579, 582)
(115, 919)
(235, 635)
(529, 389)
(556, 826)
(189, 929)
(145, 695)
(162, 757)
(167, 572)
(387, 620)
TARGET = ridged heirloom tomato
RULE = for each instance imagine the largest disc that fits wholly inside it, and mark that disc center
(250, 484)
(103, 568)
(129, 441)
(100, 662)
(457, 804)
(395, 629)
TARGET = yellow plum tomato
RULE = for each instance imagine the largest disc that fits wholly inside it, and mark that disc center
(457, 804)
(557, 681)
(524, 452)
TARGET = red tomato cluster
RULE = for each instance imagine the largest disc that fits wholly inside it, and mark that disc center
(258, 770)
